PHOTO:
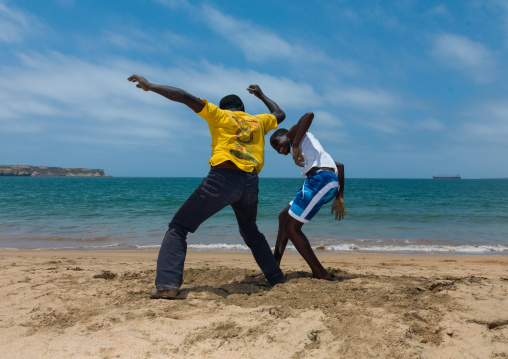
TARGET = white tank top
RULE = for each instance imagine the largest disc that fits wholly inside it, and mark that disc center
(314, 154)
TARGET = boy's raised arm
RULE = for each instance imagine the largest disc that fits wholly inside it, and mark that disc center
(338, 206)
(297, 132)
(169, 92)
(272, 106)
(295, 135)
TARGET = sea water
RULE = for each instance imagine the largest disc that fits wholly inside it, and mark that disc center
(383, 215)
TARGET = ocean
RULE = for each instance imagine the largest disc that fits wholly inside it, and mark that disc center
(384, 215)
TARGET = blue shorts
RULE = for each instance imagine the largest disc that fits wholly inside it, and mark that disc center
(319, 188)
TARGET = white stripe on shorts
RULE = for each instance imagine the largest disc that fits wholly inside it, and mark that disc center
(298, 218)
(318, 196)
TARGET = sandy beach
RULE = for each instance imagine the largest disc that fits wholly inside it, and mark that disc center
(95, 304)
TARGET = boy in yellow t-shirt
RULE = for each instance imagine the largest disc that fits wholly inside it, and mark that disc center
(237, 158)
(237, 136)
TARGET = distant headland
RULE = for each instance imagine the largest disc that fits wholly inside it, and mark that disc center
(43, 171)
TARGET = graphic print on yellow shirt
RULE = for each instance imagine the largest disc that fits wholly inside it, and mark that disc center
(237, 136)
(244, 133)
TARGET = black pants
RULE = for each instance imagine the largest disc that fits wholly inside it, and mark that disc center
(222, 187)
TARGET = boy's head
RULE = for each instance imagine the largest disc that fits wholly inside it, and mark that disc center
(231, 103)
(280, 141)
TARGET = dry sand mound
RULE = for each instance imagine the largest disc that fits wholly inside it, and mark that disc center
(95, 304)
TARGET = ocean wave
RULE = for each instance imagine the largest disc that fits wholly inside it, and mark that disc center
(204, 247)
(106, 246)
(333, 248)
(414, 248)
(150, 246)
(74, 239)
(114, 245)
(349, 247)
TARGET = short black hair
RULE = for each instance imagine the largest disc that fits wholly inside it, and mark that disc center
(279, 133)
(230, 102)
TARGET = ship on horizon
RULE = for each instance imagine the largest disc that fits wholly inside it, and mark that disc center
(446, 177)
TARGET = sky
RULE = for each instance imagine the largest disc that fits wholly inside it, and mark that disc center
(399, 89)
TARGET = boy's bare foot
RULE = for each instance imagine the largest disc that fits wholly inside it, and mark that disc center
(325, 276)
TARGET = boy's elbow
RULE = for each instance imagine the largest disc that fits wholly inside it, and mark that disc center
(309, 115)
(280, 116)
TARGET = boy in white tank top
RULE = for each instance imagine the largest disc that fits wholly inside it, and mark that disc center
(325, 181)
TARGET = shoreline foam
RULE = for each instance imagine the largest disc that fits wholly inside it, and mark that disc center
(319, 248)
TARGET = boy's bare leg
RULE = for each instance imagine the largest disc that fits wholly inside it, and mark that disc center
(282, 238)
(293, 229)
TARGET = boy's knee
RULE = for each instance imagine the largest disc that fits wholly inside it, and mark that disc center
(282, 216)
(178, 229)
(251, 234)
(292, 227)
(289, 228)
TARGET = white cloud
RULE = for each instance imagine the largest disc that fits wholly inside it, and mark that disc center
(210, 81)
(363, 98)
(259, 44)
(461, 53)
(23, 126)
(60, 93)
(256, 43)
(349, 14)
(140, 131)
(504, 9)
(438, 10)
(66, 2)
(481, 138)
(129, 38)
(430, 124)
(498, 110)
(383, 125)
(173, 3)
(328, 128)
(14, 24)
(489, 125)
(323, 118)
(378, 14)
(64, 82)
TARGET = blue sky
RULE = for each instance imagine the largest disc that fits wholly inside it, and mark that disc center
(400, 89)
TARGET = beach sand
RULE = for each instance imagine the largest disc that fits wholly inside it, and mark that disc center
(95, 304)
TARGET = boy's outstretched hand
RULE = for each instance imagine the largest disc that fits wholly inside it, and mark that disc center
(142, 82)
(339, 208)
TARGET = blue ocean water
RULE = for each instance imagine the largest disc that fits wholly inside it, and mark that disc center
(384, 215)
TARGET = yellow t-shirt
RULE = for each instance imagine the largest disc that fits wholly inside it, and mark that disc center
(237, 136)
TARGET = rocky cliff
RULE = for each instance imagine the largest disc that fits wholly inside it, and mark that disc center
(43, 171)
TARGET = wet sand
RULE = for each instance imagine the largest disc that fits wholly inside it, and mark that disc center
(95, 304)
